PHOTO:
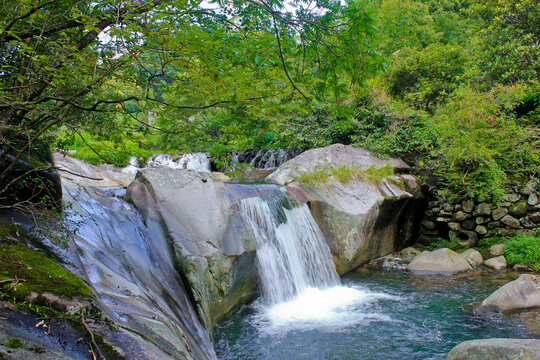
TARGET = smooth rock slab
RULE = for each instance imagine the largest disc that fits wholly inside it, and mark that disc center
(521, 293)
(496, 349)
(496, 263)
(440, 261)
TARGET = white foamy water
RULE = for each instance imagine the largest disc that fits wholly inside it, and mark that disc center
(323, 309)
(192, 161)
(301, 288)
(132, 167)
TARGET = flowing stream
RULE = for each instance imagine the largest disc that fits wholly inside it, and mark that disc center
(307, 312)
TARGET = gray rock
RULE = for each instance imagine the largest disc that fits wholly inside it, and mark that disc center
(529, 188)
(510, 221)
(448, 207)
(469, 224)
(482, 230)
(469, 238)
(468, 206)
(334, 155)
(211, 245)
(428, 224)
(442, 219)
(496, 250)
(535, 217)
(483, 209)
(454, 226)
(473, 257)
(522, 268)
(527, 223)
(460, 216)
(452, 234)
(499, 213)
(532, 200)
(496, 263)
(521, 293)
(440, 261)
(494, 224)
(519, 209)
(480, 220)
(496, 349)
(512, 197)
(351, 214)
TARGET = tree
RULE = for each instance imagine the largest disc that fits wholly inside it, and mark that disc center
(184, 56)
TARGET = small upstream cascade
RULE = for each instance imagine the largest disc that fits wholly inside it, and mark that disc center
(301, 289)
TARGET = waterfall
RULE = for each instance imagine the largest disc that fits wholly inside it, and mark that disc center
(292, 254)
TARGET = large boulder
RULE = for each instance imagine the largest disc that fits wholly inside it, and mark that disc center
(212, 247)
(361, 218)
(440, 261)
(500, 349)
(521, 293)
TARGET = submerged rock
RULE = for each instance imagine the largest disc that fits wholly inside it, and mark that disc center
(361, 217)
(521, 293)
(499, 349)
(440, 261)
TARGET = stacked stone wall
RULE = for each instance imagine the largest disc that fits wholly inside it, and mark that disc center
(469, 220)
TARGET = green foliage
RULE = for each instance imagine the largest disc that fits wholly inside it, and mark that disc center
(426, 77)
(523, 249)
(506, 39)
(14, 343)
(481, 145)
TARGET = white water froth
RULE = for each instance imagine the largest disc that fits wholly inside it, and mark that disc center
(292, 256)
(301, 288)
(193, 161)
(327, 309)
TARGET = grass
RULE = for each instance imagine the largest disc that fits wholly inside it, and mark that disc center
(14, 343)
(323, 173)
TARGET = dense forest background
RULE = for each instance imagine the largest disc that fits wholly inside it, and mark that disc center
(451, 86)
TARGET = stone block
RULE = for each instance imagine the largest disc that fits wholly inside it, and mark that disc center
(460, 216)
(499, 213)
(483, 209)
(469, 224)
(482, 230)
(532, 200)
(468, 206)
(510, 221)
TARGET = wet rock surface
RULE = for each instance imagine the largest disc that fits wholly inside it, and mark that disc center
(500, 349)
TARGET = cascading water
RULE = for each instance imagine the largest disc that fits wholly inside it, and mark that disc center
(191, 161)
(301, 288)
(130, 266)
(293, 255)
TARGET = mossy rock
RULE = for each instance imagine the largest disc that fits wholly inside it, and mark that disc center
(40, 275)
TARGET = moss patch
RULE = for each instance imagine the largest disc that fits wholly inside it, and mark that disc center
(344, 174)
(14, 343)
(40, 273)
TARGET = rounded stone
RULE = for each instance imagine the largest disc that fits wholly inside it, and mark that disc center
(473, 257)
(483, 209)
(496, 250)
(499, 213)
(532, 200)
(510, 221)
(428, 224)
(496, 263)
(480, 220)
(482, 230)
(512, 197)
(469, 224)
(499, 349)
(467, 206)
(454, 226)
(521, 293)
(460, 216)
(440, 261)
(519, 209)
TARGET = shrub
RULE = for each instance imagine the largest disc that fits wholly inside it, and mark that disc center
(523, 249)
